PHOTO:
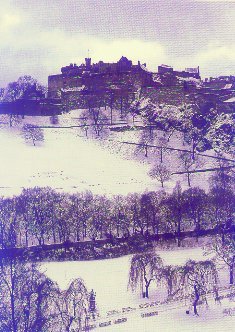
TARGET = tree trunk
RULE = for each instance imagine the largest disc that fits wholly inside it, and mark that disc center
(53, 232)
(198, 227)
(121, 107)
(26, 238)
(178, 233)
(155, 225)
(196, 300)
(133, 119)
(194, 147)
(146, 150)
(222, 236)
(111, 115)
(178, 242)
(188, 176)
(77, 235)
(147, 284)
(14, 325)
(147, 291)
(12, 297)
(117, 229)
(170, 287)
(231, 272)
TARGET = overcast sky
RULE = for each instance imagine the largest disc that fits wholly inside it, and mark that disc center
(38, 37)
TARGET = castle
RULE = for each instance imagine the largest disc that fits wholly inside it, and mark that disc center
(119, 82)
(121, 74)
(99, 77)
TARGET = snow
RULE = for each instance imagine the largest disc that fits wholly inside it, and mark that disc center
(68, 161)
(177, 321)
(230, 100)
(77, 88)
(109, 280)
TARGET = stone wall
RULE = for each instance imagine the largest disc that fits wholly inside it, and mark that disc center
(55, 84)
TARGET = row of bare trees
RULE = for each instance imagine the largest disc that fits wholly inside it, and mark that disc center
(31, 302)
(194, 280)
(43, 216)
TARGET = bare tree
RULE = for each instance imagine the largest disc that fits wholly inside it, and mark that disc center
(133, 210)
(32, 133)
(225, 252)
(174, 206)
(39, 212)
(14, 120)
(163, 142)
(200, 279)
(111, 101)
(173, 278)
(196, 206)
(85, 126)
(155, 210)
(145, 268)
(161, 173)
(8, 223)
(193, 126)
(221, 197)
(145, 140)
(73, 306)
(119, 216)
(25, 297)
(100, 216)
(16, 90)
(187, 162)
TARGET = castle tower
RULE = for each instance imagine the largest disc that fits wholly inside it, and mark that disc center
(88, 62)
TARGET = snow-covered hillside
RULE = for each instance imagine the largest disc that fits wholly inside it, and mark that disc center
(69, 161)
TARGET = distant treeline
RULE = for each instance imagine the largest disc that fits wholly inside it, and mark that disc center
(40, 216)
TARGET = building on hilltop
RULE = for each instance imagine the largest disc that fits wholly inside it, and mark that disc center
(221, 82)
(171, 77)
(119, 77)
(163, 69)
(223, 87)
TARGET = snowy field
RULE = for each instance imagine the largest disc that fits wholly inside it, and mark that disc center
(109, 279)
(69, 161)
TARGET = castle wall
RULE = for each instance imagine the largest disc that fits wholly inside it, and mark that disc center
(55, 84)
(61, 81)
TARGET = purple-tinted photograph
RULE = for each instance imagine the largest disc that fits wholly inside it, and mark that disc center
(117, 165)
